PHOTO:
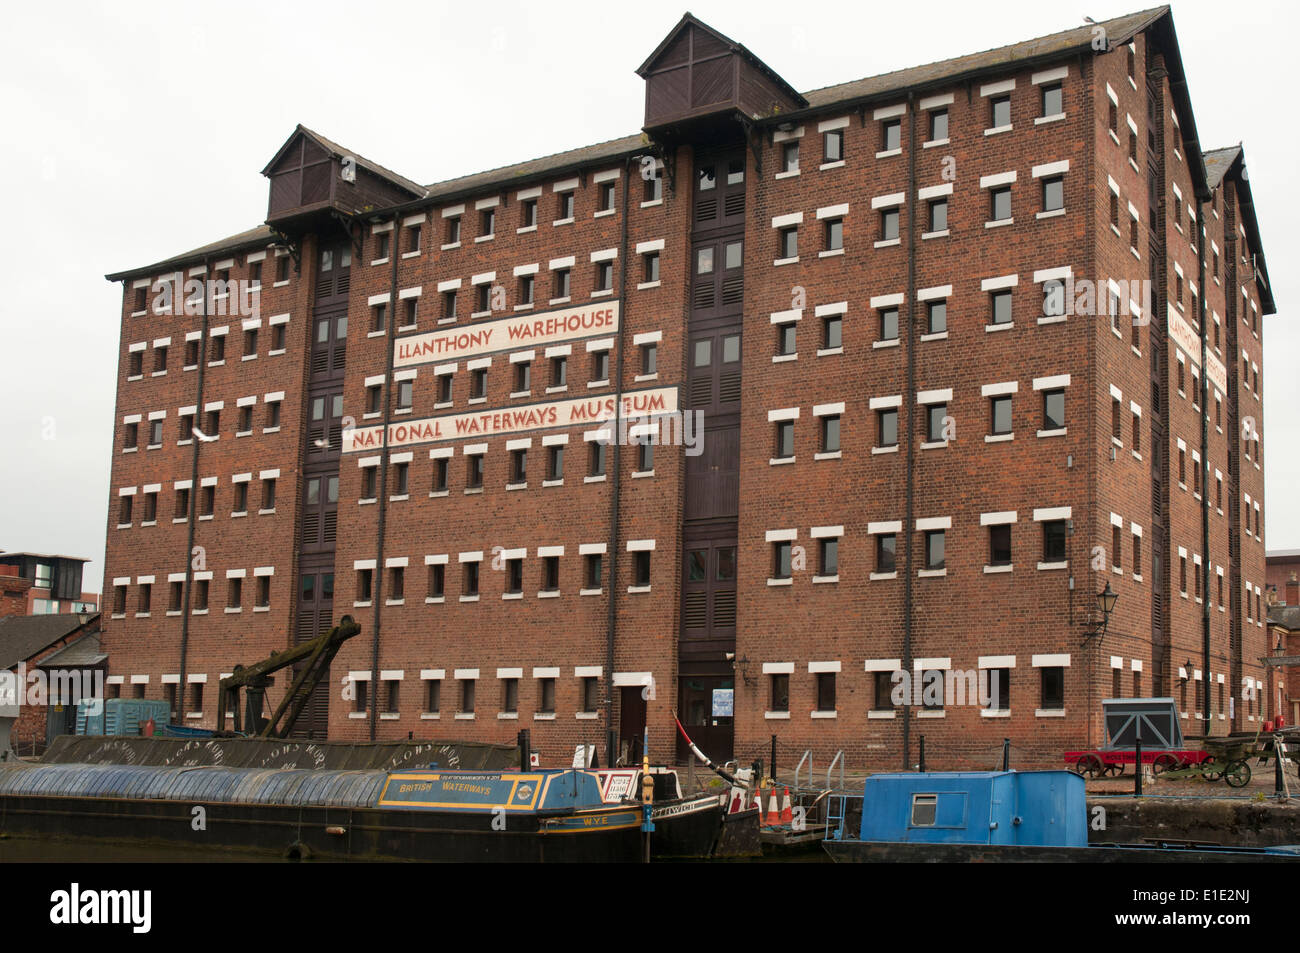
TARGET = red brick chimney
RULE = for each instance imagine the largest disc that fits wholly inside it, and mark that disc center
(1292, 591)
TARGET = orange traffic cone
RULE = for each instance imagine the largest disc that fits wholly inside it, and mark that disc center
(787, 813)
(773, 812)
(758, 806)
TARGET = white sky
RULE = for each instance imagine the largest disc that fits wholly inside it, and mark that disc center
(134, 131)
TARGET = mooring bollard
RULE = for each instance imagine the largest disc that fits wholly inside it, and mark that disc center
(774, 757)
(1279, 785)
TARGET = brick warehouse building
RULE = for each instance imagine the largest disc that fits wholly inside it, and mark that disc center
(925, 443)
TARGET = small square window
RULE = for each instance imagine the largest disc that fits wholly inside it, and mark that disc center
(1000, 208)
(936, 423)
(887, 428)
(1054, 541)
(1053, 194)
(1000, 112)
(789, 243)
(891, 135)
(1000, 415)
(936, 317)
(938, 215)
(1000, 307)
(1053, 410)
(781, 565)
(1000, 545)
(889, 324)
(833, 146)
(832, 332)
(934, 549)
(785, 339)
(784, 439)
(1053, 102)
(528, 213)
(938, 125)
(834, 233)
(888, 224)
(830, 433)
(790, 156)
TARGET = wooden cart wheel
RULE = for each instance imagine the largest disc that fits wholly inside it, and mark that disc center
(1114, 769)
(1089, 766)
(1163, 763)
(1211, 769)
(1237, 774)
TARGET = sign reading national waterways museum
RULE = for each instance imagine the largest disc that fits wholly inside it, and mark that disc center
(520, 331)
(595, 411)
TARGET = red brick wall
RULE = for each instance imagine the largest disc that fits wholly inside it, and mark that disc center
(964, 616)
(13, 595)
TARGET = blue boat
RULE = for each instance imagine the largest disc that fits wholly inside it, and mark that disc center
(998, 816)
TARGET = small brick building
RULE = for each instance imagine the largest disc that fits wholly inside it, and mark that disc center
(931, 359)
(48, 649)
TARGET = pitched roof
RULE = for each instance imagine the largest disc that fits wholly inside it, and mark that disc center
(338, 151)
(1288, 617)
(519, 171)
(258, 237)
(1117, 30)
(689, 20)
(1231, 162)
(22, 636)
(84, 652)
(1217, 163)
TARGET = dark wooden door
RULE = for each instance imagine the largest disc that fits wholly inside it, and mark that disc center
(631, 723)
(702, 701)
(315, 617)
(709, 595)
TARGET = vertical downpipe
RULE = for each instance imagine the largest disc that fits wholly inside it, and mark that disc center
(377, 590)
(1204, 465)
(179, 301)
(910, 400)
(616, 463)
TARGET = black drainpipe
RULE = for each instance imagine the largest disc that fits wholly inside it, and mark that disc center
(377, 590)
(179, 301)
(909, 397)
(1205, 460)
(610, 622)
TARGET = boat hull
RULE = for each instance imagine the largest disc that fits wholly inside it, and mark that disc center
(332, 833)
(876, 852)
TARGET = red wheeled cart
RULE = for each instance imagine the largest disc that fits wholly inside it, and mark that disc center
(1154, 723)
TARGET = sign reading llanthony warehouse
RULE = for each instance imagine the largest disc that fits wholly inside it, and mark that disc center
(504, 334)
(579, 412)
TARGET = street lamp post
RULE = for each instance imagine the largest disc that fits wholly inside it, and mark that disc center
(1105, 603)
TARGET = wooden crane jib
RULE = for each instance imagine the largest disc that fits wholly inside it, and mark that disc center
(317, 654)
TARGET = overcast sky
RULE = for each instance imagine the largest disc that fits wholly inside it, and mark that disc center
(135, 131)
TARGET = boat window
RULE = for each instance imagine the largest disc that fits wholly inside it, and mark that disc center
(924, 807)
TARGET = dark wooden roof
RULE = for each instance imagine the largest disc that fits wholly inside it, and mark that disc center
(687, 21)
(338, 152)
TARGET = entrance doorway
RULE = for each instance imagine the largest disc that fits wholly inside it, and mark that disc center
(707, 713)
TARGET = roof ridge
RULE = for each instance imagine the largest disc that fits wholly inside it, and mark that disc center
(992, 49)
(552, 155)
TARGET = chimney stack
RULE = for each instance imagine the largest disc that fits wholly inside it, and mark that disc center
(1292, 591)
